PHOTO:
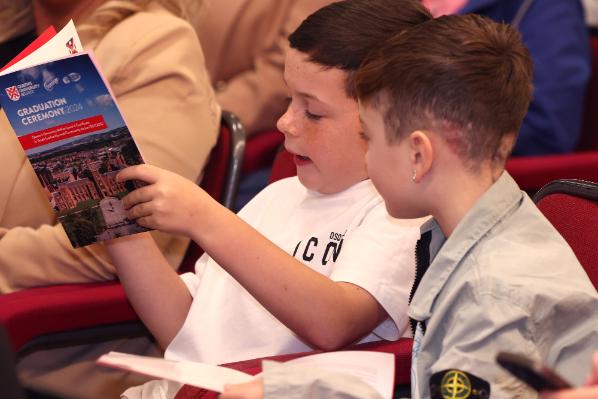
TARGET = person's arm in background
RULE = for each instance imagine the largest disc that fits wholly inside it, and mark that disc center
(167, 101)
(557, 39)
(258, 95)
(591, 10)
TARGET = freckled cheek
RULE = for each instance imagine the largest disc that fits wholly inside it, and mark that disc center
(308, 131)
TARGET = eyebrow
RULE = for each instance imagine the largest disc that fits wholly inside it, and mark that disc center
(303, 94)
(310, 96)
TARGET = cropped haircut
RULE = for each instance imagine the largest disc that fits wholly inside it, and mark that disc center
(466, 77)
(341, 34)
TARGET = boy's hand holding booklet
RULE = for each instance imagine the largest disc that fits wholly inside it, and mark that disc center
(76, 139)
(373, 368)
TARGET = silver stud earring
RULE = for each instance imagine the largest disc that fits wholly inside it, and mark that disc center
(414, 176)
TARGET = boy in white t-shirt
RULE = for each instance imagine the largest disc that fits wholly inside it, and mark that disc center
(313, 261)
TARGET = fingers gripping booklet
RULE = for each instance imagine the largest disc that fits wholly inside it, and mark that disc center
(375, 369)
(73, 133)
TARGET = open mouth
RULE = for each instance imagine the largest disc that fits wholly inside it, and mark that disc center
(301, 159)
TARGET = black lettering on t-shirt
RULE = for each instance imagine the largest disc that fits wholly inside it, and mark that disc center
(336, 249)
(296, 248)
(309, 257)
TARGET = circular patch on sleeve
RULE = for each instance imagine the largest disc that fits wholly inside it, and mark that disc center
(458, 384)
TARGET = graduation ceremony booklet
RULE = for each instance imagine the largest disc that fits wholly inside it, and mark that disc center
(376, 369)
(70, 127)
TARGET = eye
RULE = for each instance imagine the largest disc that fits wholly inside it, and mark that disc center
(364, 136)
(311, 116)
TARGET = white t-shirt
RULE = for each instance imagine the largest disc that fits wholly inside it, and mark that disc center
(346, 236)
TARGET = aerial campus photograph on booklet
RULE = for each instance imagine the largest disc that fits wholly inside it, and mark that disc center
(69, 125)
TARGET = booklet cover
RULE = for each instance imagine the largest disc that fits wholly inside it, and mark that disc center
(376, 369)
(69, 125)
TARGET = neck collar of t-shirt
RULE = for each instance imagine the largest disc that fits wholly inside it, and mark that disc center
(502, 198)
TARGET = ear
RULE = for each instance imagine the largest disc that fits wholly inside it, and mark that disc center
(421, 154)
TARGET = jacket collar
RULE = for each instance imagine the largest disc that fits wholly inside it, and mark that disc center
(446, 255)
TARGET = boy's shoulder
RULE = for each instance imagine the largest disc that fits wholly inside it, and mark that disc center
(503, 250)
(520, 258)
(524, 241)
(524, 258)
(507, 235)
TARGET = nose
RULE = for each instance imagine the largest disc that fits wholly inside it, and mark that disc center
(285, 124)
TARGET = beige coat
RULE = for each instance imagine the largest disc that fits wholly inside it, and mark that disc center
(154, 64)
(245, 42)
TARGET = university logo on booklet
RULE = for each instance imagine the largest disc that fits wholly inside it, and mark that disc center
(71, 46)
(13, 93)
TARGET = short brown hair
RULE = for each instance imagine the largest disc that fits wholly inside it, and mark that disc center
(340, 35)
(465, 76)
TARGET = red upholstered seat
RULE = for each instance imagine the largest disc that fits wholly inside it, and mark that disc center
(283, 166)
(261, 150)
(572, 207)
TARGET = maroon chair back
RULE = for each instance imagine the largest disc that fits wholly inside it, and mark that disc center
(214, 173)
(532, 173)
(261, 150)
(572, 208)
(283, 166)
